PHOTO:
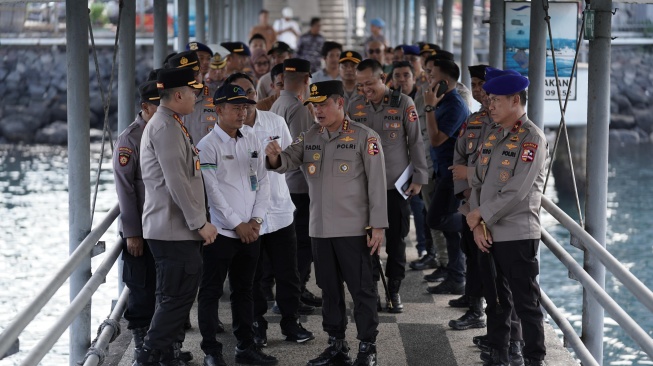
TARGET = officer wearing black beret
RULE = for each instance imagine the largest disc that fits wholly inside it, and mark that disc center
(204, 53)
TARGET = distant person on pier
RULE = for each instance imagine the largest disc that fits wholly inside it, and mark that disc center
(376, 50)
(264, 28)
(376, 32)
(287, 29)
(310, 44)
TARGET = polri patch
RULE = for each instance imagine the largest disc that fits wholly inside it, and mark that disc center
(125, 149)
(372, 146)
(412, 113)
(123, 158)
(528, 151)
(311, 169)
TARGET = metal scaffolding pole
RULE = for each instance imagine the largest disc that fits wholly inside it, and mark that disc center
(200, 21)
(417, 20)
(447, 29)
(467, 46)
(537, 63)
(127, 66)
(387, 17)
(497, 16)
(218, 19)
(160, 33)
(182, 21)
(598, 120)
(79, 166)
(210, 18)
(431, 20)
(405, 5)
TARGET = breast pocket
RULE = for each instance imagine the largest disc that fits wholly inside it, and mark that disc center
(504, 175)
(345, 164)
(392, 133)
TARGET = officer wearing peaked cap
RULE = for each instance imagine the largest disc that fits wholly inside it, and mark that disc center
(238, 56)
(333, 154)
(505, 202)
(139, 272)
(348, 62)
(174, 213)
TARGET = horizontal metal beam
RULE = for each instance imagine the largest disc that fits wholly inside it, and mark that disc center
(11, 333)
(81, 300)
(572, 338)
(627, 323)
(612, 264)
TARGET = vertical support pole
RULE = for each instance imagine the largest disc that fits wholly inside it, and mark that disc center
(406, 7)
(598, 120)
(537, 63)
(399, 21)
(467, 46)
(387, 17)
(160, 33)
(497, 17)
(200, 21)
(447, 28)
(212, 23)
(417, 20)
(219, 21)
(79, 166)
(183, 15)
(431, 19)
(127, 66)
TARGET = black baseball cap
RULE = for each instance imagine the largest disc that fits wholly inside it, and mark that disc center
(320, 91)
(232, 94)
(297, 65)
(177, 77)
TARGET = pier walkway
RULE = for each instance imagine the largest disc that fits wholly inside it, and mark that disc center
(418, 337)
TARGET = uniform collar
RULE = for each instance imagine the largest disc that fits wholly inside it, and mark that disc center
(289, 94)
(223, 135)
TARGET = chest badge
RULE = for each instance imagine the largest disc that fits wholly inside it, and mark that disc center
(311, 169)
(514, 138)
(344, 168)
(471, 135)
(393, 111)
(470, 145)
(485, 160)
(346, 139)
(492, 138)
(511, 146)
(504, 176)
(505, 162)
(488, 144)
(316, 156)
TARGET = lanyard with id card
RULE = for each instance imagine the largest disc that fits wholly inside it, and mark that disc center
(253, 178)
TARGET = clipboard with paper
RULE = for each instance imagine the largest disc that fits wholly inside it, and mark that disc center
(404, 180)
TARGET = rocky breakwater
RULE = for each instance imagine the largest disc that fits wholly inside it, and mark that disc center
(631, 95)
(33, 91)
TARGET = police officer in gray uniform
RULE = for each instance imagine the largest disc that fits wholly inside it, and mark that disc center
(505, 202)
(340, 153)
(139, 272)
(394, 117)
(174, 213)
(202, 119)
(290, 106)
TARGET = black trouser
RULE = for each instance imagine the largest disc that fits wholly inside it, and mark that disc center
(227, 255)
(304, 250)
(281, 249)
(473, 282)
(398, 227)
(346, 259)
(139, 274)
(517, 268)
(442, 215)
(178, 271)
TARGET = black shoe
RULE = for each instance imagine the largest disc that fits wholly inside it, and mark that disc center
(461, 302)
(337, 354)
(185, 356)
(295, 332)
(448, 287)
(478, 339)
(147, 357)
(171, 356)
(219, 328)
(471, 319)
(484, 345)
(394, 305)
(533, 362)
(138, 335)
(253, 355)
(494, 358)
(260, 334)
(516, 358)
(310, 299)
(267, 293)
(366, 354)
(426, 262)
(440, 274)
(214, 359)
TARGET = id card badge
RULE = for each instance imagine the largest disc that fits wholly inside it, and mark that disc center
(253, 182)
(253, 178)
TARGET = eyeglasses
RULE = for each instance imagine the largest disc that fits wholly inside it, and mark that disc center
(374, 50)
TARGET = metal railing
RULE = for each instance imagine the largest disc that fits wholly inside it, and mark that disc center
(24, 318)
(632, 283)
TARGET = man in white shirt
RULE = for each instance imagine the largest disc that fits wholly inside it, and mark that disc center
(238, 192)
(278, 239)
(287, 29)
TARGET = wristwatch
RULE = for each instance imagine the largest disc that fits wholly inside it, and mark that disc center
(428, 108)
(258, 220)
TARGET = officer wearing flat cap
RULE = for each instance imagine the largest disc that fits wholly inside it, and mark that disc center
(139, 272)
(278, 53)
(216, 74)
(505, 202)
(202, 119)
(348, 62)
(230, 158)
(174, 213)
(393, 116)
(204, 54)
(238, 56)
(333, 154)
(290, 105)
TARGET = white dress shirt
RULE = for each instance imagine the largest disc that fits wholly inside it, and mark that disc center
(226, 165)
(280, 211)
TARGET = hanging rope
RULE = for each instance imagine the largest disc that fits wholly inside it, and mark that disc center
(106, 130)
(563, 108)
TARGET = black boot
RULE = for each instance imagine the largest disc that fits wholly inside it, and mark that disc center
(426, 262)
(533, 362)
(147, 357)
(516, 358)
(181, 355)
(461, 302)
(138, 335)
(395, 299)
(337, 354)
(473, 318)
(170, 357)
(496, 357)
(366, 354)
